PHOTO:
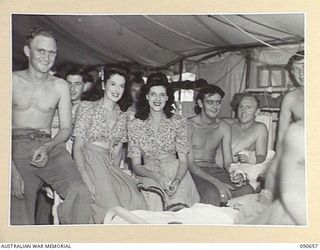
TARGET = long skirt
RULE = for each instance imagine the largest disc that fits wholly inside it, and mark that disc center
(186, 193)
(112, 186)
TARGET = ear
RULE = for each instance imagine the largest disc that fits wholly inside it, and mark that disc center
(257, 112)
(200, 104)
(26, 50)
(147, 97)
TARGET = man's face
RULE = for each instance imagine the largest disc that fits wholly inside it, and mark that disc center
(247, 109)
(76, 86)
(135, 91)
(211, 105)
(298, 71)
(41, 53)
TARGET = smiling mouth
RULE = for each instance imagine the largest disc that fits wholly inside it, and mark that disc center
(157, 104)
(115, 94)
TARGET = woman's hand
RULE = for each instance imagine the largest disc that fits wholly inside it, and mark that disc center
(173, 187)
(163, 181)
(238, 178)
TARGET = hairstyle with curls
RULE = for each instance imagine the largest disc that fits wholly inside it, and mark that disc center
(143, 107)
(127, 100)
(207, 90)
(299, 56)
(97, 92)
(38, 31)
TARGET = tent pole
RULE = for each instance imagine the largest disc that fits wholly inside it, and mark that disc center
(248, 68)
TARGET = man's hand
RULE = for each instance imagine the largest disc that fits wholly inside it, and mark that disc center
(243, 158)
(238, 178)
(224, 189)
(17, 185)
(39, 156)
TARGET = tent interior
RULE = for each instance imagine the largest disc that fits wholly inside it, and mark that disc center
(238, 52)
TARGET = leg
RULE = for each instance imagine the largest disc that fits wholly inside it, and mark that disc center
(63, 176)
(44, 209)
(23, 211)
(223, 176)
(208, 192)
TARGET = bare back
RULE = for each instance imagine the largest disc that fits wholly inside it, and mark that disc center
(34, 104)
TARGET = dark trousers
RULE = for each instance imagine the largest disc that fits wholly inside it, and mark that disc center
(60, 172)
(209, 193)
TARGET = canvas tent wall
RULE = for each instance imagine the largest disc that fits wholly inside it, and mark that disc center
(215, 47)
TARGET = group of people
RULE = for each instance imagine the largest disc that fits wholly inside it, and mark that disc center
(131, 123)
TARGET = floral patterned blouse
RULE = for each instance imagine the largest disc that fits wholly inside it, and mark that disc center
(171, 137)
(91, 124)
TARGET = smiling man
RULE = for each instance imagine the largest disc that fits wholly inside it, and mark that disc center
(36, 157)
(249, 138)
(206, 133)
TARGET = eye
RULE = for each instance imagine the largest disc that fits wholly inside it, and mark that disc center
(41, 51)
(162, 94)
(122, 86)
(52, 53)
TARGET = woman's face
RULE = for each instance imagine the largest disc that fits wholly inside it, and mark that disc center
(135, 91)
(157, 98)
(114, 87)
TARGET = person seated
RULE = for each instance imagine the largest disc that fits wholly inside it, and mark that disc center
(76, 80)
(206, 133)
(249, 138)
(158, 135)
(131, 97)
(100, 130)
(38, 158)
(289, 205)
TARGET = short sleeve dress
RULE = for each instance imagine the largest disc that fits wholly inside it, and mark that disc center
(159, 153)
(112, 186)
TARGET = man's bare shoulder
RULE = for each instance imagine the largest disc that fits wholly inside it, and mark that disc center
(224, 125)
(194, 120)
(18, 75)
(59, 84)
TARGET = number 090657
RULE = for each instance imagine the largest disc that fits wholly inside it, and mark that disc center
(309, 246)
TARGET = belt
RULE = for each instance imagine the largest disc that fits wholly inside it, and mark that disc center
(31, 136)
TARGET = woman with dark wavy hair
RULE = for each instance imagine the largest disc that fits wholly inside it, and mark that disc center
(159, 136)
(100, 130)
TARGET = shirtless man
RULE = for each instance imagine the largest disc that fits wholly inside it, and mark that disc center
(207, 132)
(292, 110)
(248, 135)
(77, 81)
(36, 158)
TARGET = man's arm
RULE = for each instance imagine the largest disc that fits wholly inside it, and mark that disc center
(65, 116)
(226, 145)
(292, 173)
(261, 144)
(284, 118)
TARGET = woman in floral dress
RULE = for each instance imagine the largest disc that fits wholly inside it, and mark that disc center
(159, 136)
(100, 130)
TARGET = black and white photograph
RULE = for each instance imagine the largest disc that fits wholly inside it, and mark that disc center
(193, 119)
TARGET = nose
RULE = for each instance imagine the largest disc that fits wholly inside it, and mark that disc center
(71, 87)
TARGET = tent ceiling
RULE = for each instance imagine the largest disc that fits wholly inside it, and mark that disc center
(153, 41)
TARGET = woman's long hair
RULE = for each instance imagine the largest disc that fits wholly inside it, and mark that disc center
(127, 100)
(97, 92)
(143, 107)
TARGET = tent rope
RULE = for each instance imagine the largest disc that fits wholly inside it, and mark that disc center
(257, 39)
(178, 33)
